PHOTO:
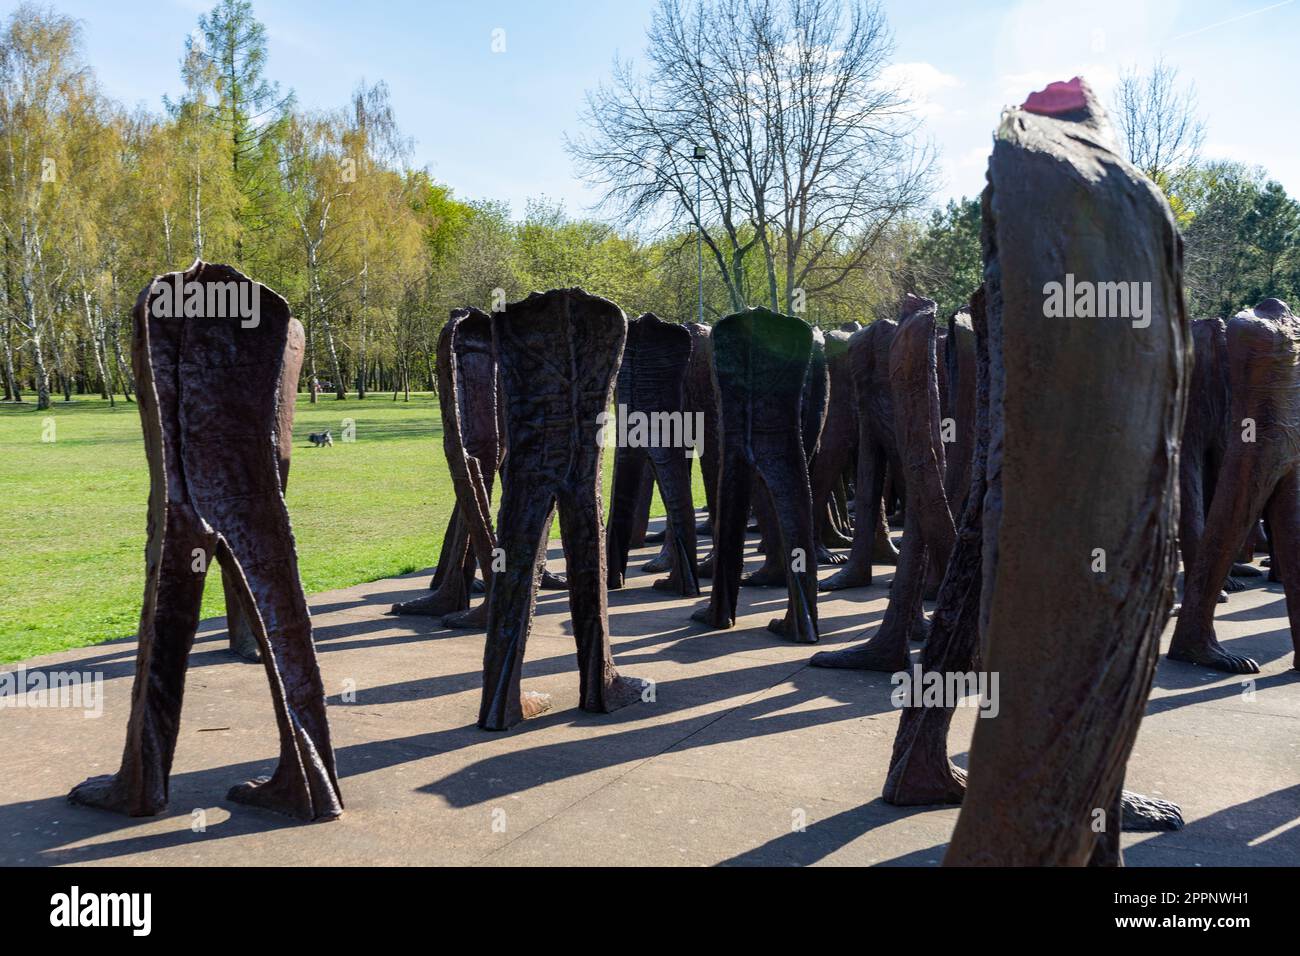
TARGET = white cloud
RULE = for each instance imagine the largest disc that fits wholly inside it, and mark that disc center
(920, 82)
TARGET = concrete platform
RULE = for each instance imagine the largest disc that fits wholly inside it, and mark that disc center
(743, 742)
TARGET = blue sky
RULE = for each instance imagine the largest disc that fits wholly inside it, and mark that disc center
(492, 124)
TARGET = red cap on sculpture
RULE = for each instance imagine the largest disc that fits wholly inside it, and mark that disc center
(1057, 98)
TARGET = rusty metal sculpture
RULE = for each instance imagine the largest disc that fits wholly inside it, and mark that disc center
(1260, 472)
(239, 629)
(557, 353)
(839, 440)
(928, 525)
(210, 382)
(877, 455)
(651, 383)
(467, 395)
(1073, 599)
(760, 364)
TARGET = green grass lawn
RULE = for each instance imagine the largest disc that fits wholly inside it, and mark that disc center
(72, 524)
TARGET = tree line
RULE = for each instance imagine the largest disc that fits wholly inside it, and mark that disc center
(763, 143)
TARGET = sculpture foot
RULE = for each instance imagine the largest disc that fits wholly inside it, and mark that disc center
(872, 655)
(431, 605)
(782, 627)
(1143, 814)
(704, 615)
(764, 577)
(706, 567)
(620, 692)
(654, 537)
(704, 530)
(848, 576)
(926, 786)
(1232, 586)
(1246, 571)
(279, 795)
(657, 565)
(475, 619)
(244, 645)
(478, 587)
(669, 586)
(827, 557)
(1210, 653)
(106, 792)
(554, 582)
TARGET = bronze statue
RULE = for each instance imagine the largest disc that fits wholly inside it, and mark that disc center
(651, 386)
(760, 364)
(467, 396)
(1259, 473)
(557, 353)
(239, 629)
(928, 525)
(1087, 396)
(211, 390)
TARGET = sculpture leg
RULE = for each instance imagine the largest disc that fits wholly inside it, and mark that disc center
(521, 535)
(444, 555)
(886, 650)
(630, 465)
(474, 494)
(173, 595)
(793, 545)
(452, 592)
(868, 518)
(602, 689)
(305, 782)
(728, 541)
(672, 474)
(1284, 524)
(239, 632)
(1232, 512)
(771, 573)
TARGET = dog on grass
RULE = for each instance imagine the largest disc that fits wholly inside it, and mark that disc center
(321, 439)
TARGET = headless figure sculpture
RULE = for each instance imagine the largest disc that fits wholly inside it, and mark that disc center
(702, 397)
(928, 525)
(467, 396)
(239, 629)
(839, 440)
(1085, 410)
(210, 391)
(877, 455)
(557, 353)
(1259, 473)
(651, 383)
(813, 404)
(760, 364)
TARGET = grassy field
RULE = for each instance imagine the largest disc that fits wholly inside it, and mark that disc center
(72, 524)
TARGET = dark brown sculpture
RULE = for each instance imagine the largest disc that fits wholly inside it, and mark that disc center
(839, 439)
(813, 404)
(877, 455)
(1085, 409)
(210, 393)
(760, 365)
(239, 629)
(557, 353)
(651, 385)
(702, 397)
(1259, 473)
(928, 525)
(467, 396)
(920, 772)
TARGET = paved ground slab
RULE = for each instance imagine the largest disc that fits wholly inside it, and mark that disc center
(746, 756)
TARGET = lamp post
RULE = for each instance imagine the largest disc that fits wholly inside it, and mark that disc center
(698, 157)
